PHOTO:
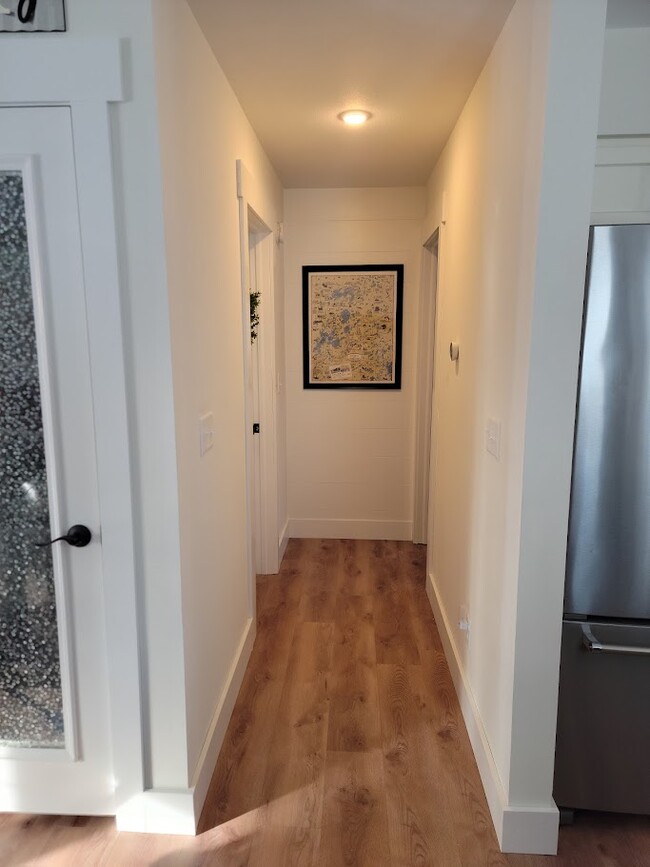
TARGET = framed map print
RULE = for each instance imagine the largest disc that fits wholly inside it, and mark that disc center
(352, 326)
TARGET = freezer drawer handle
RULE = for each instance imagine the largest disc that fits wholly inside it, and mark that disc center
(590, 642)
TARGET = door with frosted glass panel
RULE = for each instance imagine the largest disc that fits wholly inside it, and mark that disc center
(54, 735)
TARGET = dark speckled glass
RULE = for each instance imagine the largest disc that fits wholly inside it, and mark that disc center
(30, 679)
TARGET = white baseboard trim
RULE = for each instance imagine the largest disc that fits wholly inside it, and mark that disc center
(341, 528)
(158, 811)
(217, 731)
(529, 829)
(494, 789)
(284, 541)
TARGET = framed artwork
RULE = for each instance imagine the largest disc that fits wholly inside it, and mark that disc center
(352, 326)
(32, 16)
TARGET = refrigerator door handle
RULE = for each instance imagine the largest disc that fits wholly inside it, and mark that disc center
(591, 643)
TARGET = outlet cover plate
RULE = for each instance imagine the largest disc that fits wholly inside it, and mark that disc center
(206, 433)
(493, 438)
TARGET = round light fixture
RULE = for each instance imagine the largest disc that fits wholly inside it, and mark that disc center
(354, 117)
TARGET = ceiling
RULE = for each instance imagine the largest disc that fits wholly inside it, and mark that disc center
(295, 64)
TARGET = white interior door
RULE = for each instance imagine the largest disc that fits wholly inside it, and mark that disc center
(55, 751)
(254, 398)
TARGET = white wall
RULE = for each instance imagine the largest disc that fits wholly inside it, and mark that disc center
(475, 500)
(148, 357)
(175, 144)
(350, 453)
(203, 131)
(624, 99)
(516, 177)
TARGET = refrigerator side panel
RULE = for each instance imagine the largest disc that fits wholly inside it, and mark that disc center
(608, 558)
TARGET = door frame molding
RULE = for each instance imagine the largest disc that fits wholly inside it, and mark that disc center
(429, 286)
(253, 219)
(86, 75)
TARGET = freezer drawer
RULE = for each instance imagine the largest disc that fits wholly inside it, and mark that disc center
(602, 756)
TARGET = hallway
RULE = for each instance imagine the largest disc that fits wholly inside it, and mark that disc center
(495, 132)
(346, 746)
(347, 723)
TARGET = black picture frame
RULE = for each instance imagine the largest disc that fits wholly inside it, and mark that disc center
(33, 16)
(373, 358)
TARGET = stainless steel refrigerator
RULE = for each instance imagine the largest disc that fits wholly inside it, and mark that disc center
(603, 740)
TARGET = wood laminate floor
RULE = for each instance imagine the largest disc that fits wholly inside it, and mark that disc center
(346, 746)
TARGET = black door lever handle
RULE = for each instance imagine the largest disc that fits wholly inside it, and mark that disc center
(78, 536)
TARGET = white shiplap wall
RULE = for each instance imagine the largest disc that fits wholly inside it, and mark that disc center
(350, 453)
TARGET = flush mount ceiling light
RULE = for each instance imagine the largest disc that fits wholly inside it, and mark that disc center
(354, 117)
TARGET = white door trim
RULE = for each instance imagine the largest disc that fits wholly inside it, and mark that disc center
(92, 138)
(86, 74)
(426, 346)
(252, 219)
(48, 70)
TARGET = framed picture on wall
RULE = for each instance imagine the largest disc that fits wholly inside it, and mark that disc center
(32, 16)
(352, 326)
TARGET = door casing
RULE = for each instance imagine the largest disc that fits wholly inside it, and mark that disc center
(425, 395)
(252, 223)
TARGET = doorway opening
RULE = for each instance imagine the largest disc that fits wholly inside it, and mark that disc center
(425, 393)
(253, 392)
(257, 263)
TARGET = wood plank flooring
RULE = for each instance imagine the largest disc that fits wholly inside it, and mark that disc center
(346, 746)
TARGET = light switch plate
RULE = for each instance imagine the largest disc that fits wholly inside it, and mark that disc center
(493, 438)
(206, 433)
(464, 623)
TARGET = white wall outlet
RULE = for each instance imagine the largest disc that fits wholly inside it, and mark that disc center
(493, 438)
(464, 622)
(206, 433)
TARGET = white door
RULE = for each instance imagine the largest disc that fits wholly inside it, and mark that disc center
(54, 714)
(254, 402)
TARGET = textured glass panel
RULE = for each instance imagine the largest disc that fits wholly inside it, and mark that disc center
(30, 678)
